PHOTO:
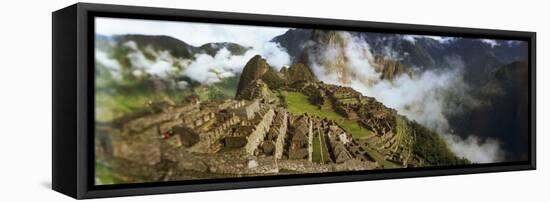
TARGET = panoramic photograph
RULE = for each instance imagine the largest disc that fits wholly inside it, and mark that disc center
(180, 101)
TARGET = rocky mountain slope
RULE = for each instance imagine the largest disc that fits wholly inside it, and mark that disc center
(480, 57)
(505, 93)
(337, 54)
(294, 41)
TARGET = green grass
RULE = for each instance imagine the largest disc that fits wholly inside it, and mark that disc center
(324, 149)
(402, 131)
(316, 156)
(356, 130)
(401, 126)
(111, 106)
(380, 159)
(104, 174)
(320, 150)
(298, 103)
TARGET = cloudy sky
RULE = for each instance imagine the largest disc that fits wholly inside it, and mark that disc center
(205, 68)
(193, 33)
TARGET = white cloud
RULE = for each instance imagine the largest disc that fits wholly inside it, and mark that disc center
(161, 66)
(190, 32)
(473, 148)
(275, 55)
(410, 38)
(209, 69)
(491, 42)
(205, 68)
(513, 43)
(440, 39)
(107, 61)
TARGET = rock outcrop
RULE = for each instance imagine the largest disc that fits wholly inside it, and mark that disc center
(336, 62)
(389, 68)
(331, 51)
(252, 71)
(297, 72)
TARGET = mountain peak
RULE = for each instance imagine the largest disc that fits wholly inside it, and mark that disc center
(298, 72)
(293, 41)
(253, 70)
(390, 68)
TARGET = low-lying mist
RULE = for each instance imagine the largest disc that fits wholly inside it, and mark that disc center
(209, 69)
(204, 68)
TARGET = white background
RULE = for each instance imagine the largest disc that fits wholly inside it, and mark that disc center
(25, 99)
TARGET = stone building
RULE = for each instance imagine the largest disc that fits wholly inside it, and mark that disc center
(231, 104)
(261, 127)
(301, 145)
(248, 110)
(274, 141)
(338, 141)
(237, 136)
(347, 111)
(173, 115)
(339, 152)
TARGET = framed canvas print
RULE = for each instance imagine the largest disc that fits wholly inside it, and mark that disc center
(155, 100)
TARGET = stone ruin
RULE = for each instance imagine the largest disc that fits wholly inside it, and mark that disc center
(274, 141)
(337, 144)
(379, 121)
(262, 125)
(263, 138)
(366, 110)
(301, 138)
(245, 110)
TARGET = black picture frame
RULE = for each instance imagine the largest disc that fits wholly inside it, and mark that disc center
(73, 100)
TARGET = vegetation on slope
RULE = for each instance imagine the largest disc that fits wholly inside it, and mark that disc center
(432, 148)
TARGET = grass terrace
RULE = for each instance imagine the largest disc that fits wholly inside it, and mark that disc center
(298, 104)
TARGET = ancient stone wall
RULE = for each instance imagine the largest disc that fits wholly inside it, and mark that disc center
(337, 143)
(258, 134)
(303, 166)
(280, 141)
(231, 104)
(225, 164)
(210, 137)
(301, 145)
(248, 110)
(176, 114)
